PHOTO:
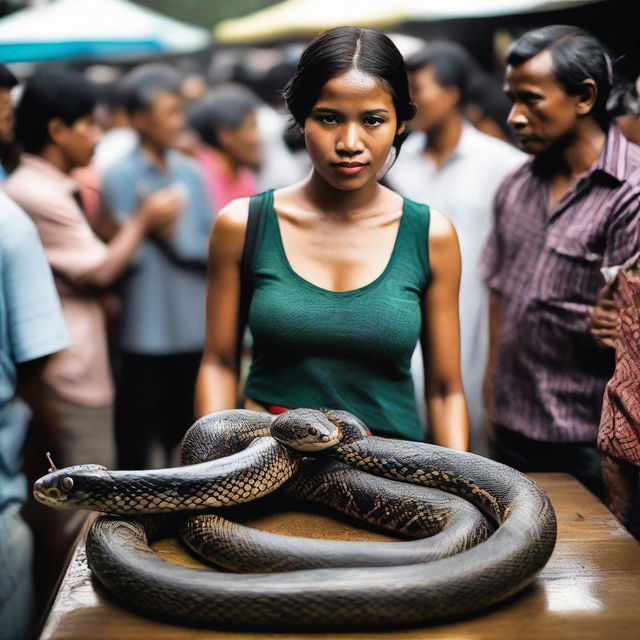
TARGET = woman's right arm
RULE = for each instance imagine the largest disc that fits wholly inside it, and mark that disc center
(216, 386)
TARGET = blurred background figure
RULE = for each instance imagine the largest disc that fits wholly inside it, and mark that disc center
(56, 127)
(31, 329)
(162, 322)
(7, 83)
(458, 169)
(619, 432)
(226, 121)
(118, 137)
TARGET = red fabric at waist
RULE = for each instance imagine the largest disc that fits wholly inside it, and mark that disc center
(275, 409)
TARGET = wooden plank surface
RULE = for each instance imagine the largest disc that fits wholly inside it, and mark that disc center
(588, 590)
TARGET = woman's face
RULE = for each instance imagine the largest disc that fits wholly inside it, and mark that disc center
(350, 130)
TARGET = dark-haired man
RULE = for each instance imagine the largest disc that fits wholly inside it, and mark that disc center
(571, 210)
(444, 153)
(162, 325)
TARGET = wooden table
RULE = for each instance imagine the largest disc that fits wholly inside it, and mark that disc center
(589, 590)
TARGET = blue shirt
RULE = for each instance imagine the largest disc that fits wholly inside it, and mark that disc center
(164, 292)
(31, 326)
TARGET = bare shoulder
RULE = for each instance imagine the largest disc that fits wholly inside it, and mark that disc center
(234, 215)
(227, 238)
(442, 233)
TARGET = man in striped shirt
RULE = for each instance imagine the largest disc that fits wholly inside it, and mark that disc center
(569, 211)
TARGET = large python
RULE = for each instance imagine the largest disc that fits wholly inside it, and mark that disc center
(408, 591)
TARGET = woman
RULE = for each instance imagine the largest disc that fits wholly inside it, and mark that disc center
(226, 123)
(348, 275)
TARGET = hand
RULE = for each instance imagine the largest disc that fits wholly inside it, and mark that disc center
(604, 319)
(160, 211)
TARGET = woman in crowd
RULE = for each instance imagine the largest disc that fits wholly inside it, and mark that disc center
(226, 123)
(347, 275)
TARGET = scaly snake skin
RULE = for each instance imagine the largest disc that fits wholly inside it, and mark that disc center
(319, 598)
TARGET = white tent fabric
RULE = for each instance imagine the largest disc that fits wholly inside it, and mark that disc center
(64, 29)
(304, 18)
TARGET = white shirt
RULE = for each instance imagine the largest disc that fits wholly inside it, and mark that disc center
(463, 189)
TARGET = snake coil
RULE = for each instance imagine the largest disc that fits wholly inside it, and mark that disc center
(338, 593)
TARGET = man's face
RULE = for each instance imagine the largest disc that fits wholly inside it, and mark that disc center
(435, 102)
(542, 113)
(6, 116)
(163, 121)
(78, 141)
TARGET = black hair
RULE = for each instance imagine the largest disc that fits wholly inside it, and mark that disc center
(338, 51)
(576, 55)
(225, 106)
(66, 95)
(142, 85)
(7, 79)
(452, 64)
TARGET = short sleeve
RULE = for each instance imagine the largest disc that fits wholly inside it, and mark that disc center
(71, 247)
(34, 318)
(119, 191)
(623, 234)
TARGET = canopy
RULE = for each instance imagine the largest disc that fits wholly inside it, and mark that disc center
(65, 29)
(305, 18)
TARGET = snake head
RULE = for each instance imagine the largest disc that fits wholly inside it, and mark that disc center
(69, 488)
(305, 430)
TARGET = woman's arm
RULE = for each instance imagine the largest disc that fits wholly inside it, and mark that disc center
(216, 386)
(448, 417)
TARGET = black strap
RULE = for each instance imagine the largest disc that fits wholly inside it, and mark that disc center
(246, 272)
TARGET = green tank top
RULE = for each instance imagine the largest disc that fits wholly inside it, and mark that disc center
(350, 350)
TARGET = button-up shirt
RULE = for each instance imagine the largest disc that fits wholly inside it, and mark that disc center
(164, 292)
(550, 375)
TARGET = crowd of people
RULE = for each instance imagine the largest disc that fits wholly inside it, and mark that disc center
(439, 282)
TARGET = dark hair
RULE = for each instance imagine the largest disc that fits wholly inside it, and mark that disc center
(142, 85)
(7, 79)
(225, 106)
(338, 51)
(67, 95)
(452, 64)
(576, 55)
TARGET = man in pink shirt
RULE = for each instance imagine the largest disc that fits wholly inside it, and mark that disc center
(56, 127)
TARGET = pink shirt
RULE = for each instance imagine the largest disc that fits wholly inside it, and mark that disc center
(223, 187)
(81, 372)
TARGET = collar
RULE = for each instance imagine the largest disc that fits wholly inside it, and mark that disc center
(466, 144)
(145, 160)
(45, 168)
(417, 141)
(614, 157)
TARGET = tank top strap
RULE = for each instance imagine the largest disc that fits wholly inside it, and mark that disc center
(413, 240)
(265, 220)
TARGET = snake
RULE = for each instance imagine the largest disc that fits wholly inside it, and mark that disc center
(328, 457)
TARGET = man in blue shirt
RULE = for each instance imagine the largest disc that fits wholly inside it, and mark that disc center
(31, 328)
(162, 325)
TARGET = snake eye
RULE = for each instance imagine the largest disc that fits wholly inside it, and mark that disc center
(312, 431)
(66, 483)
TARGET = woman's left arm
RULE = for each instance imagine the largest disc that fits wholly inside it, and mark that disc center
(448, 419)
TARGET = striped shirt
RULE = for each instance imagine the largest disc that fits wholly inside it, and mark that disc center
(550, 376)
